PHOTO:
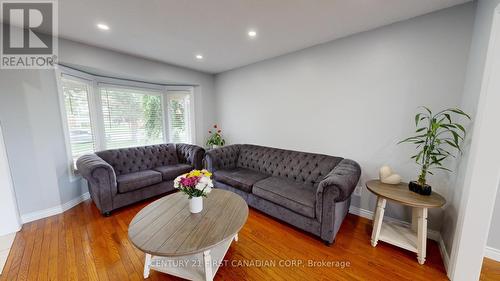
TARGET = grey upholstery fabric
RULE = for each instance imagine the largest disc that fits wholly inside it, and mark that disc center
(309, 191)
(222, 158)
(338, 185)
(134, 159)
(307, 168)
(275, 210)
(240, 178)
(137, 180)
(124, 199)
(101, 179)
(102, 169)
(172, 171)
(190, 154)
(295, 196)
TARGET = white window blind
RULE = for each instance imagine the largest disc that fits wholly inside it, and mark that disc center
(179, 121)
(132, 117)
(77, 109)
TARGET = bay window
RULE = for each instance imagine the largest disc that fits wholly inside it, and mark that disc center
(76, 94)
(132, 117)
(102, 113)
(179, 112)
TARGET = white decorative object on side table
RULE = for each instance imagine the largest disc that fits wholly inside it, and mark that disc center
(388, 176)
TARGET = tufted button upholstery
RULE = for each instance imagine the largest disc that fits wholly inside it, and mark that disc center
(134, 159)
(222, 157)
(302, 167)
(119, 177)
(310, 191)
(190, 154)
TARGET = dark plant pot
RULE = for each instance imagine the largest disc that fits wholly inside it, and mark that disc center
(417, 188)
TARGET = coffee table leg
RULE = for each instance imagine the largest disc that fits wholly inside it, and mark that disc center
(147, 265)
(377, 220)
(207, 260)
(422, 235)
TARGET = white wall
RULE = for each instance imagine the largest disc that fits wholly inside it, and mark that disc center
(494, 235)
(30, 114)
(354, 97)
(472, 88)
(10, 221)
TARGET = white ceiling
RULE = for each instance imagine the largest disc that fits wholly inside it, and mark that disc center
(173, 31)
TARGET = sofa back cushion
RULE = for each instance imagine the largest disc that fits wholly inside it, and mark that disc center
(134, 159)
(308, 168)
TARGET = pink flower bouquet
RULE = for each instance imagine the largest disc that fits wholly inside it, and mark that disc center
(196, 183)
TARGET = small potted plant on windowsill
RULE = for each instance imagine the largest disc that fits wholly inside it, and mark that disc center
(215, 139)
(433, 141)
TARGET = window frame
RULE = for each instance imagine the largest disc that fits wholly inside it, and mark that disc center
(173, 91)
(73, 173)
(95, 83)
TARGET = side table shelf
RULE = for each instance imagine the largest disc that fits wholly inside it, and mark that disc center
(412, 238)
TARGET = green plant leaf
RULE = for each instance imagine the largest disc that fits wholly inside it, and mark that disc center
(451, 143)
(460, 127)
(447, 117)
(417, 118)
(460, 112)
(427, 109)
(444, 168)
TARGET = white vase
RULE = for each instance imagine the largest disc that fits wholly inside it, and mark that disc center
(214, 146)
(196, 204)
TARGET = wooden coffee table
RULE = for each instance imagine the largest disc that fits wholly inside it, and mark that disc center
(190, 246)
(414, 238)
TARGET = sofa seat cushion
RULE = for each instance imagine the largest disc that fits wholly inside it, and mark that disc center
(170, 172)
(295, 196)
(240, 178)
(137, 180)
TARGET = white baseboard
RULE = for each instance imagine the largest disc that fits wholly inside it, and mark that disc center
(492, 253)
(5, 244)
(54, 210)
(431, 234)
(444, 253)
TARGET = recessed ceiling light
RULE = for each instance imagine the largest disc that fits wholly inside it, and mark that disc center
(102, 26)
(200, 57)
(252, 33)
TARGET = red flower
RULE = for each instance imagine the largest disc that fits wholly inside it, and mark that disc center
(215, 126)
(209, 131)
(219, 131)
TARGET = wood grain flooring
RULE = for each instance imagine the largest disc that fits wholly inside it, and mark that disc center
(80, 244)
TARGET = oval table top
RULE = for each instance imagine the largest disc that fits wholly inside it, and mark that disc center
(401, 194)
(166, 227)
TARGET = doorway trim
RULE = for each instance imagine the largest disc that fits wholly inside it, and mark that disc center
(483, 171)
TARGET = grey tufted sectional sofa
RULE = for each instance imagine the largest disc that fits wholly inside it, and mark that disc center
(120, 177)
(309, 191)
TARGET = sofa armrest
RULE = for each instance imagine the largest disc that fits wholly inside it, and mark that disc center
(342, 179)
(190, 154)
(101, 178)
(222, 158)
(337, 186)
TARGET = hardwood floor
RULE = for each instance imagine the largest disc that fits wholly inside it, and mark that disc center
(80, 244)
(490, 270)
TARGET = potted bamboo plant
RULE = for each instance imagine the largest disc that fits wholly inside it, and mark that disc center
(436, 136)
